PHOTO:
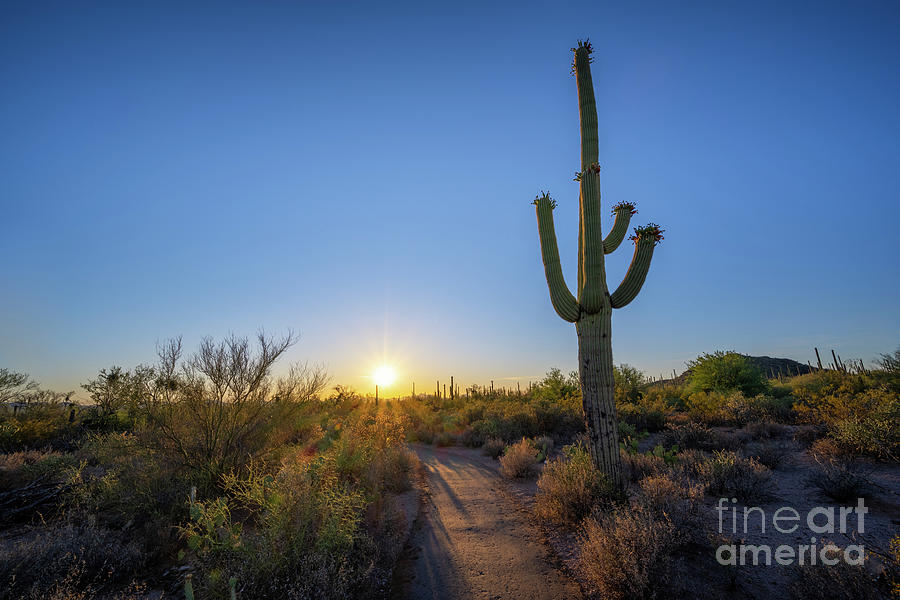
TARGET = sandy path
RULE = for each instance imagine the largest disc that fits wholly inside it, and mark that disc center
(472, 540)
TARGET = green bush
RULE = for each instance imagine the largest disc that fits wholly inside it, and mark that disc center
(734, 408)
(725, 372)
(860, 414)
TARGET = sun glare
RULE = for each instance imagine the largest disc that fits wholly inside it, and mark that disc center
(384, 375)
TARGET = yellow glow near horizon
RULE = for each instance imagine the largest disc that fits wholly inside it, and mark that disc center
(384, 375)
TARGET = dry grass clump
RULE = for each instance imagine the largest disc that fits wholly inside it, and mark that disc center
(391, 469)
(635, 552)
(19, 468)
(840, 581)
(640, 465)
(630, 554)
(690, 463)
(676, 497)
(827, 448)
(765, 430)
(696, 436)
(493, 447)
(570, 487)
(66, 558)
(728, 474)
(840, 480)
(520, 460)
(770, 454)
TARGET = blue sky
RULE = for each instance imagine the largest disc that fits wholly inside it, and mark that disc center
(362, 174)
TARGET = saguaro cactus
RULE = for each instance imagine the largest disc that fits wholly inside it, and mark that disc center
(591, 310)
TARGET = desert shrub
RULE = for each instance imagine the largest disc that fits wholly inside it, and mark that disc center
(120, 478)
(839, 479)
(639, 465)
(670, 395)
(690, 463)
(84, 557)
(628, 383)
(724, 372)
(570, 487)
(876, 434)
(840, 581)
(769, 454)
(666, 494)
(494, 447)
(728, 474)
(117, 389)
(695, 436)
(330, 516)
(556, 386)
(220, 408)
(643, 416)
(827, 448)
(391, 469)
(519, 460)
(861, 415)
(734, 408)
(765, 429)
(631, 554)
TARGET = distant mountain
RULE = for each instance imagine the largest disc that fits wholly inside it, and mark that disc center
(772, 367)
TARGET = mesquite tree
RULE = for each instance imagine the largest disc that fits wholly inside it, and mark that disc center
(591, 311)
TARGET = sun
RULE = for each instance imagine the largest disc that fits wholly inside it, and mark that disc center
(384, 375)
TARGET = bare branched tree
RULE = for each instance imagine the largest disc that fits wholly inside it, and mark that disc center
(15, 387)
(214, 410)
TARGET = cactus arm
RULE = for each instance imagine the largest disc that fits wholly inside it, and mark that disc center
(623, 212)
(563, 301)
(587, 106)
(645, 240)
(594, 291)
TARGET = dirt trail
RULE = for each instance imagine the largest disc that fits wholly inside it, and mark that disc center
(472, 540)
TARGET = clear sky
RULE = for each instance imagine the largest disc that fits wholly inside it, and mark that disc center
(362, 173)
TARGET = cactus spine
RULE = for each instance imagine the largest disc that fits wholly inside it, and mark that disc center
(591, 310)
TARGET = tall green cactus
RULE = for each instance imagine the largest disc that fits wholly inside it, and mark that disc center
(591, 311)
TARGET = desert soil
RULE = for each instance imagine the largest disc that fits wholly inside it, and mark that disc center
(472, 539)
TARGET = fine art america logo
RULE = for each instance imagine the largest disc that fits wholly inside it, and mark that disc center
(819, 521)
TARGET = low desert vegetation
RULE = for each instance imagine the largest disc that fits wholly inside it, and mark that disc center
(722, 431)
(208, 466)
(211, 467)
